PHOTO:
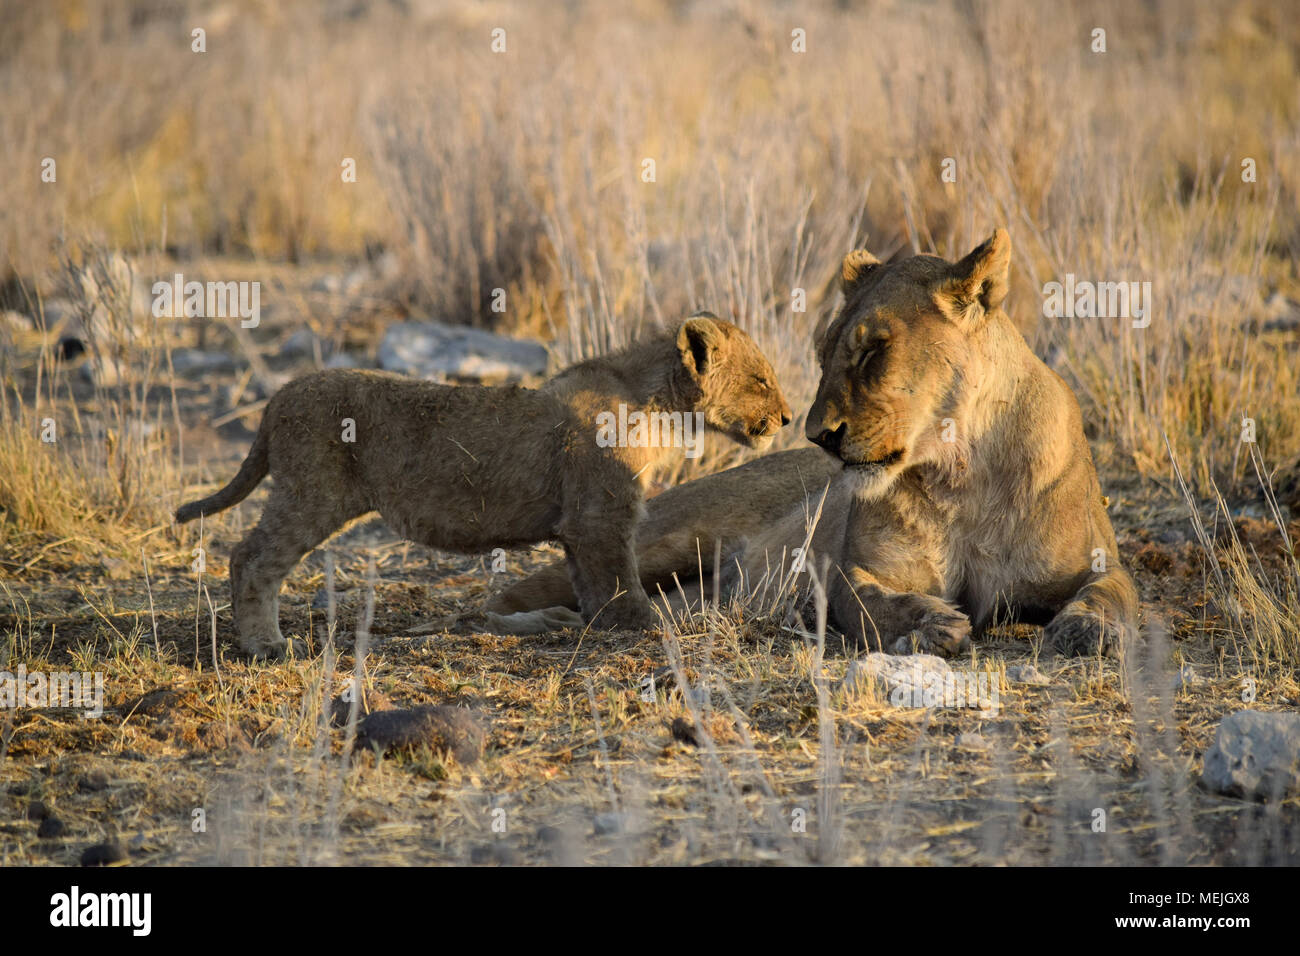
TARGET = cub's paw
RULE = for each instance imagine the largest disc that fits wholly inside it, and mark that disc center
(938, 630)
(274, 648)
(1080, 631)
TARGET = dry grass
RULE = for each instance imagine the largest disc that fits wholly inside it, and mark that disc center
(522, 172)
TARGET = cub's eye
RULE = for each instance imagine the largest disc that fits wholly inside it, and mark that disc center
(763, 383)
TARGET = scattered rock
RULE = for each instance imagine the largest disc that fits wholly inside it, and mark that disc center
(154, 703)
(440, 728)
(972, 741)
(684, 731)
(51, 828)
(103, 854)
(606, 823)
(196, 362)
(1026, 674)
(1255, 755)
(302, 344)
(1187, 677)
(435, 351)
(905, 673)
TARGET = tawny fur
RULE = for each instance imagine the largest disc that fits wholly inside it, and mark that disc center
(469, 469)
(960, 481)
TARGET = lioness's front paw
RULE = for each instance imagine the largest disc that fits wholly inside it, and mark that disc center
(628, 617)
(939, 630)
(1080, 631)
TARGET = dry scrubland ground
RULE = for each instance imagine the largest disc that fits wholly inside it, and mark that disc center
(521, 171)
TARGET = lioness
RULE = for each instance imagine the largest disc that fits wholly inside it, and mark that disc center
(468, 469)
(960, 481)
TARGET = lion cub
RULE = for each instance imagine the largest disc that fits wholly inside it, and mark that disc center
(469, 468)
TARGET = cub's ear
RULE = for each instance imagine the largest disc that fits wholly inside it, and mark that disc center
(981, 279)
(697, 340)
(856, 266)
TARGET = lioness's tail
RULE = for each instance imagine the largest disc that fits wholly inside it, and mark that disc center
(253, 470)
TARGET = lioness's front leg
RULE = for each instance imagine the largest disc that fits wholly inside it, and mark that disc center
(1101, 618)
(881, 618)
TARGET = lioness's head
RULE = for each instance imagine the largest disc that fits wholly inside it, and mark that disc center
(896, 359)
(730, 381)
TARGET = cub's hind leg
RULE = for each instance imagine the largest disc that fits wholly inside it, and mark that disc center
(289, 528)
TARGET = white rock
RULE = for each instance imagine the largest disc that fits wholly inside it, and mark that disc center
(435, 351)
(1255, 754)
(1026, 674)
(1187, 677)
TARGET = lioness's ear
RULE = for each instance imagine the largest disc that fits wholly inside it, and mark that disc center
(982, 277)
(857, 264)
(697, 339)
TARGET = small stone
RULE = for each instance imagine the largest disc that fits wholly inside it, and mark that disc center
(1187, 677)
(154, 703)
(607, 823)
(103, 854)
(972, 740)
(1026, 674)
(1256, 754)
(440, 728)
(51, 828)
(303, 344)
(684, 731)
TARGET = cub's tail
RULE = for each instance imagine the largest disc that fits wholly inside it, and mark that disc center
(253, 470)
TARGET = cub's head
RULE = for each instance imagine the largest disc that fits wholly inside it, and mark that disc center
(896, 360)
(730, 380)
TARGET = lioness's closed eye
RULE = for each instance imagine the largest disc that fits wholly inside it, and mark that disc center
(469, 469)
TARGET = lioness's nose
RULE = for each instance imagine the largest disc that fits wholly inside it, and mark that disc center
(830, 440)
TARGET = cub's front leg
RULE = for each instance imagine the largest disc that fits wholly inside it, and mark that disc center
(598, 533)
